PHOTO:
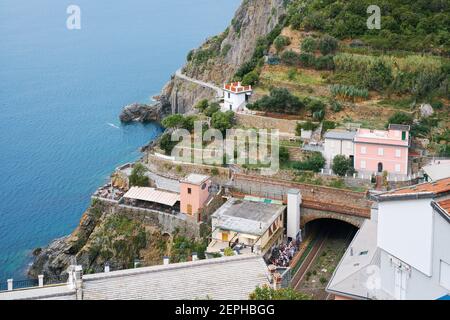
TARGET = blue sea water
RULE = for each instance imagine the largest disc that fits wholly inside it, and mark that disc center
(60, 96)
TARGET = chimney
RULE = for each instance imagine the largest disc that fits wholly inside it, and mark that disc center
(166, 260)
(106, 267)
(294, 200)
(41, 280)
(194, 256)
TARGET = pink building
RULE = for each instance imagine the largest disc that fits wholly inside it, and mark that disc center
(194, 192)
(378, 150)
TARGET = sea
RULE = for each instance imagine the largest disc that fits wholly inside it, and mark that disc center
(67, 68)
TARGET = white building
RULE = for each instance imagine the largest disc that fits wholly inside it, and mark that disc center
(236, 96)
(338, 142)
(404, 255)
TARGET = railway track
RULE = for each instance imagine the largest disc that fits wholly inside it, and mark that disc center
(321, 240)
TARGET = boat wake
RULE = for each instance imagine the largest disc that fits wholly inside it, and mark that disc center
(113, 125)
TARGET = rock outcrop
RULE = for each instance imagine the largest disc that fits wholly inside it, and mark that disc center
(138, 112)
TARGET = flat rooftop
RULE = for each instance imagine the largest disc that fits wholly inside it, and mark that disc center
(248, 217)
(195, 178)
(340, 135)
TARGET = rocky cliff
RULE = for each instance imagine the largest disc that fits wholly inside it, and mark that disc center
(101, 237)
(220, 56)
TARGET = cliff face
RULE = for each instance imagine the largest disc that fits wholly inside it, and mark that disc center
(100, 238)
(222, 55)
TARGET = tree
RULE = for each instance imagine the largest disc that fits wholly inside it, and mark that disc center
(213, 108)
(138, 177)
(400, 118)
(222, 121)
(279, 100)
(202, 105)
(173, 121)
(341, 165)
(328, 44)
(250, 78)
(267, 293)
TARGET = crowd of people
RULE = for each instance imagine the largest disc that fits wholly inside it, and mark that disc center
(282, 255)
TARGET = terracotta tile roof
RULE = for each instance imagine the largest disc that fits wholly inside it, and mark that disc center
(445, 205)
(435, 188)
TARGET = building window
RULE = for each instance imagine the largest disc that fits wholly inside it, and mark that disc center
(363, 150)
(397, 168)
(398, 153)
(229, 96)
(363, 164)
(204, 186)
(189, 190)
(380, 151)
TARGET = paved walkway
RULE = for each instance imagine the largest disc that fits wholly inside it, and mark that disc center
(219, 91)
(164, 183)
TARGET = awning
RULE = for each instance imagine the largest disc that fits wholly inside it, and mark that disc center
(153, 195)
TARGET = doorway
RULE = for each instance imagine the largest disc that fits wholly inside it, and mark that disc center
(380, 167)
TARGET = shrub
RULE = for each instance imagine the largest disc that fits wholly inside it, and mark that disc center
(323, 280)
(228, 252)
(280, 42)
(309, 44)
(336, 106)
(328, 125)
(307, 60)
(138, 177)
(341, 165)
(283, 154)
(328, 44)
(315, 162)
(324, 63)
(290, 58)
(268, 293)
(279, 100)
(400, 118)
(379, 76)
(292, 74)
(167, 144)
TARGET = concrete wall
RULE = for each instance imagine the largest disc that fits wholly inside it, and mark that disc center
(167, 223)
(334, 147)
(393, 158)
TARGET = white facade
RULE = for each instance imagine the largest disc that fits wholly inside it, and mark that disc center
(405, 229)
(294, 200)
(338, 142)
(235, 96)
(403, 281)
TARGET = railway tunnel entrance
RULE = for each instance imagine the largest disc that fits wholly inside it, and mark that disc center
(324, 243)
